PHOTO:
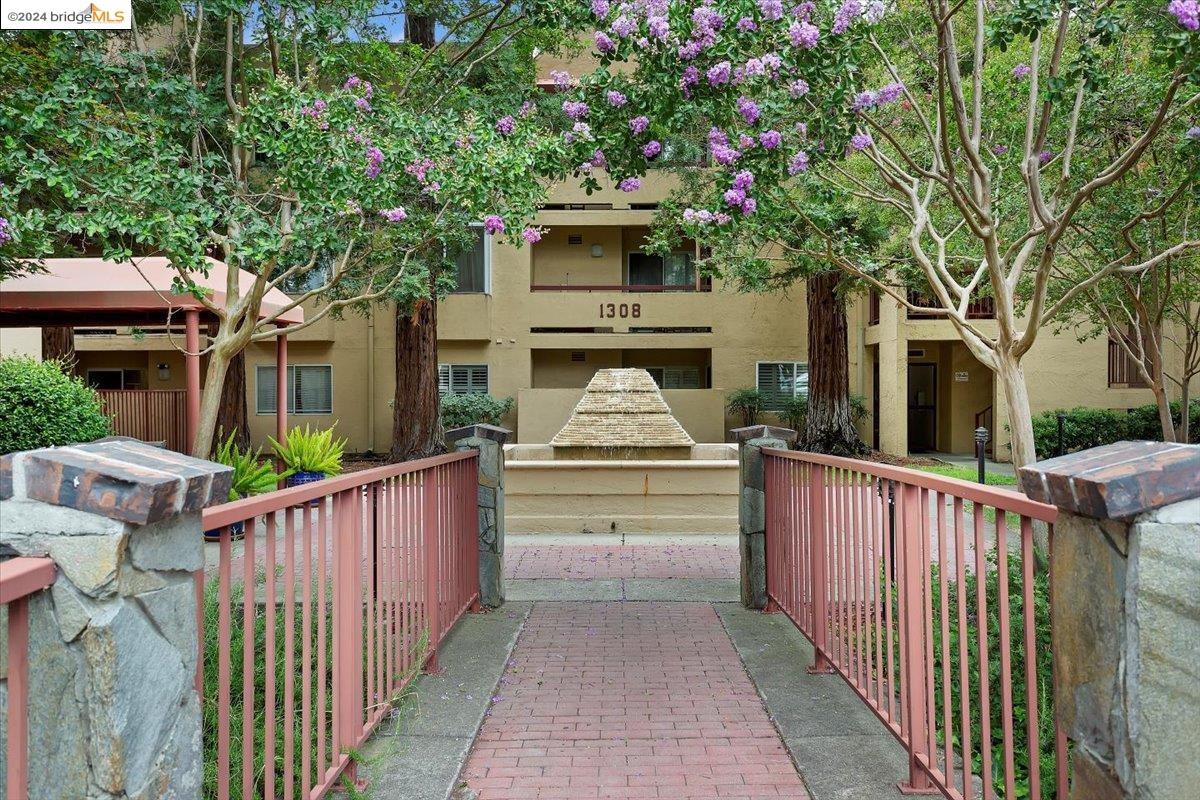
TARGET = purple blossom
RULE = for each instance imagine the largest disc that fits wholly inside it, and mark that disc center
(721, 218)
(615, 98)
(638, 125)
(734, 197)
(374, 162)
(749, 206)
(746, 141)
(719, 73)
(865, 101)
(397, 214)
(690, 50)
(798, 163)
(689, 215)
(598, 159)
(624, 26)
(5, 231)
(891, 93)
(531, 235)
(999, 149)
(849, 11)
(717, 136)
(804, 10)
(799, 88)
(746, 24)
(658, 27)
(804, 34)
(362, 103)
(652, 148)
(705, 216)
(527, 108)
(1193, 132)
(724, 154)
(561, 78)
(600, 8)
(770, 139)
(707, 21)
(772, 62)
(875, 11)
(748, 109)
(771, 9)
(506, 125)
(861, 141)
(493, 224)
(629, 185)
(1021, 70)
(1045, 157)
(1187, 12)
(754, 67)
(743, 180)
(690, 76)
(575, 109)
(604, 42)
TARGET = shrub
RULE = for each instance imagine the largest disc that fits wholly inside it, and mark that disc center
(1093, 427)
(1144, 424)
(251, 474)
(460, 410)
(310, 450)
(795, 410)
(746, 402)
(43, 406)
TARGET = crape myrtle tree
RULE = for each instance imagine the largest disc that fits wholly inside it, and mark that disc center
(294, 142)
(982, 130)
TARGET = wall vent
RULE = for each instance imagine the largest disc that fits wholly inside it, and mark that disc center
(575, 238)
(578, 355)
(916, 353)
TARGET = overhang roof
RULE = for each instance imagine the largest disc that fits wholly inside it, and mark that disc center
(84, 292)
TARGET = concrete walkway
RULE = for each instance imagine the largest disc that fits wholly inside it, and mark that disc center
(627, 687)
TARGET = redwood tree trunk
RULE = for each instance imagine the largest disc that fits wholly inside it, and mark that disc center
(828, 427)
(233, 416)
(58, 344)
(416, 424)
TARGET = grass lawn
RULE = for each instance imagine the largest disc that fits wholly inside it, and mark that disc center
(969, 474)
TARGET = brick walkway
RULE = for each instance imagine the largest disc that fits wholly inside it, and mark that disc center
(591, 562)
(628, 700)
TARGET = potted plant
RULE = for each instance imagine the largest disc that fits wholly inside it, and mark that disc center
(251, 475)
(747, 403)
(310, 455)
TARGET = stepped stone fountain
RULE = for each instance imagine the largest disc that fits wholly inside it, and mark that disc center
(622, 415)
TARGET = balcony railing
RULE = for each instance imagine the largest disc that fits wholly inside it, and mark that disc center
(983, 308)
(1122, 370)
(627, 288)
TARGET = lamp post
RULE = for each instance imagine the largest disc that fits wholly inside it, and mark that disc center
(981, 439)
(1062, 423)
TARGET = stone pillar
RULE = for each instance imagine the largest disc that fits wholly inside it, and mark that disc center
(893, 378)
(1125, 610)
(113, 645)
(752, 506)
(489, 441)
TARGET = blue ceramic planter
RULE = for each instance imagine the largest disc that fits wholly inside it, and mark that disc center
(236, 531)
(301, 478)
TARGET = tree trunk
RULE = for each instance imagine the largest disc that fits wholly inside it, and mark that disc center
(416, 419)
(828, 426)
(210, 401)
(58, 344)
(420, 29)
(1020, 419)
(1185, 399)
(1164, 410)
(233, 415)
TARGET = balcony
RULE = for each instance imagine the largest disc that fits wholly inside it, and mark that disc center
(704, 285)
(983, 308)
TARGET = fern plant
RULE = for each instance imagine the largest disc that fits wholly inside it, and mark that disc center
(251, 474)
(310, 450)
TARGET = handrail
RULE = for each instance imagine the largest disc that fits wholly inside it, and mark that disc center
(20, 577)
(995, 496)
(238, 510)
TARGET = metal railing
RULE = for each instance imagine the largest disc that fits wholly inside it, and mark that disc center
(337, 595)
(913, 588)
(1122, 370)
(20, 578)
(152, 415)
(627, 288)
(980, 308)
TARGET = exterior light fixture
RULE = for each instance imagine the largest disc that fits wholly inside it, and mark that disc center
(597, 251)
(164, 371)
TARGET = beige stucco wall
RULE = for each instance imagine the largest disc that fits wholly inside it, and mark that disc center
(21, 342)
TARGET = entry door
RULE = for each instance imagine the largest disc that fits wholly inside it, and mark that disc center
(922, 408)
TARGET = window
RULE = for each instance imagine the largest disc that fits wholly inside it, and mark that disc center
(310, 279)
(473, 265)
(780, 380)
(310, 389)
(462, 378)
(651, 270)
(114, 378)
(675, 377)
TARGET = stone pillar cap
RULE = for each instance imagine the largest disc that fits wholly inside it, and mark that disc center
(479, 431)
(125, 480)
(1116, 481)
(764, 432)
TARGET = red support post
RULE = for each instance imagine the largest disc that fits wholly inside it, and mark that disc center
(431, 556)
(818, 569)
(914, 698)
(191, 358)
(347, 623)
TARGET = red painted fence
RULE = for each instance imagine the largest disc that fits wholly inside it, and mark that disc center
(152, 415)
(878, 567)
(20, 578)
(336, 598)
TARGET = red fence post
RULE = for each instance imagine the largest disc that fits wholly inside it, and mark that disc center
(347, 622)
(818, 574)
(914, 697)
(431, 556)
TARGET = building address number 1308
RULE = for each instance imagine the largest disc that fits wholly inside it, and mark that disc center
(622, 310)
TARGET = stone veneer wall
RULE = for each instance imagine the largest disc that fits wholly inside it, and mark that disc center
(113, 709)
(489, 441)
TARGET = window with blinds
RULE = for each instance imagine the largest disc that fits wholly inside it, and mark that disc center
(471, 265)
(462, 378)
(675, 377)
(780, 380)
(310, 389)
